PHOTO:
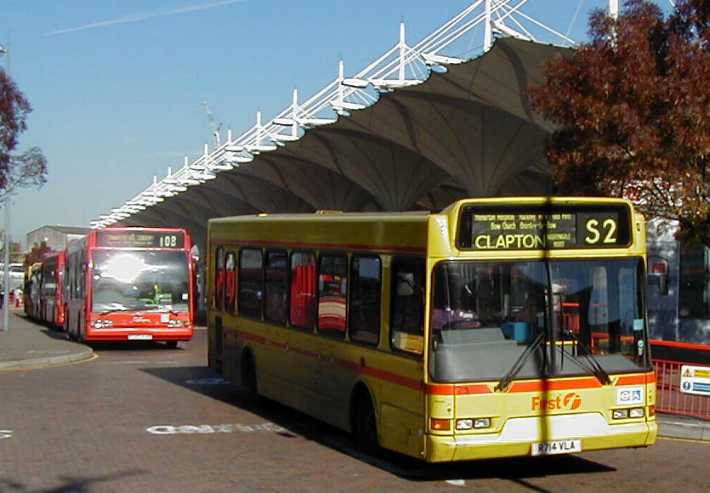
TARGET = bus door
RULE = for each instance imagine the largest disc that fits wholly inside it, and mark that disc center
(337, 360)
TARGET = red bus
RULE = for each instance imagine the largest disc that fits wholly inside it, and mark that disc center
(125, 284)
(51, 290)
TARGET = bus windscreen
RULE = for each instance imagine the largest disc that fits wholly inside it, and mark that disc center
(134, 280)
(548, 226)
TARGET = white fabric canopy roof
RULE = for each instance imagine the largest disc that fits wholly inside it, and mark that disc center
(469, 131)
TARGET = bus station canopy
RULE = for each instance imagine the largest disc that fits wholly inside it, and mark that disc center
(468, 131)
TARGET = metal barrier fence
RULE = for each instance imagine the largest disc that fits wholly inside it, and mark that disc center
(669, 397)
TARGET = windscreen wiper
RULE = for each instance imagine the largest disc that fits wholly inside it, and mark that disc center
(594, 366)
(519, 363)
(113, 310)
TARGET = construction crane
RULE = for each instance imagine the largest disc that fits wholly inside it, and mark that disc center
(215, 126)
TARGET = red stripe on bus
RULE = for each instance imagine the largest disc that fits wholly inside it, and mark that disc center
(350, 365)
(252, 337)
(329, 246)
(451, 389)
(681, 345)
(391, 377)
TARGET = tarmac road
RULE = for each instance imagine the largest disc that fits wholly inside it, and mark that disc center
(150, 419)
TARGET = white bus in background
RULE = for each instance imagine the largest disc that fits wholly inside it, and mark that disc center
(17, 275)
(678, 286)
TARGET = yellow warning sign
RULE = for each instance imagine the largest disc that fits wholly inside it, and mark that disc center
(695, 380)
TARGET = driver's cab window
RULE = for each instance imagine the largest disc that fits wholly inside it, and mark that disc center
(488, 301)
(407, 304)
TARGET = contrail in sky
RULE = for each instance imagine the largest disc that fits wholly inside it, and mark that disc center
(126, 19)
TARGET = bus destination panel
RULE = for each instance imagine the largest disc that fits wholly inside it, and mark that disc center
(538, 228)
(140, 239)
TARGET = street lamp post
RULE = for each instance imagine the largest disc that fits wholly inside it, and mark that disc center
(6, 276)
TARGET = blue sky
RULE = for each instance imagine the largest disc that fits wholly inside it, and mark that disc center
(117, 87)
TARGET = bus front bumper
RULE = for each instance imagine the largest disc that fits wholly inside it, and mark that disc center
(139, 334)
(517, 440)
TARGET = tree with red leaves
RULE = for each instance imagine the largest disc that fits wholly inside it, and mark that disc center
(632, 109)
(16, 170)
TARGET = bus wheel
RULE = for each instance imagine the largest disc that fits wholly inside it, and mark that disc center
(365, 424)
(249, 375)
(171, 344)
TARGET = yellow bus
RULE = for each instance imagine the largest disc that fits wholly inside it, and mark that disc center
(498, 327)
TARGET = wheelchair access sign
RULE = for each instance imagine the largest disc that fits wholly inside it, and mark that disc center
(695, 380)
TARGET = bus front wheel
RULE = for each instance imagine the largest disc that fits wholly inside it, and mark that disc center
(365, 424)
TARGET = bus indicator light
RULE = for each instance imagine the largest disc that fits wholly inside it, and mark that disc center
(440, 424)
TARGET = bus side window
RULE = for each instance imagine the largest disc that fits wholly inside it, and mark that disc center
(303, 290)
(407, 304)
(333, 295)
(251, 282)
(276, 286)
(230, 282)
(218, 296)
(365, 284)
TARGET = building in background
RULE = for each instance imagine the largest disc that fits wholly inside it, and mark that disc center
(56, 237)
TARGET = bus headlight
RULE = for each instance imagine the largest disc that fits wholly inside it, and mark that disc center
(479, 423)
(620, 413)
(176, 323)
(101, 324)
(636, 412)
(464, 424)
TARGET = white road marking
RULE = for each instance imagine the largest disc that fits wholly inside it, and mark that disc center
(5, 434)
(35, 351)
(209, 429)
(207, 381)
(456, 482)
(129, 362)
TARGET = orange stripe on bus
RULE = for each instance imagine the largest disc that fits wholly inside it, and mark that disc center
(450, 389)
(457, 389)
(567, 384)
(636, 379)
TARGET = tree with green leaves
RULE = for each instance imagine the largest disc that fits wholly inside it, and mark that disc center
(632, 110)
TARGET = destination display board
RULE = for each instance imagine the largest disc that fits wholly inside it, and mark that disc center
(140, 239)
(544, 227)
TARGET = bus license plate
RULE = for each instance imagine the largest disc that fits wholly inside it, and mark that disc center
(140, 337)
(556, 447)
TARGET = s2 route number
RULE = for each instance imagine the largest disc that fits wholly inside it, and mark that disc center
(168, 241)
(597, 230)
